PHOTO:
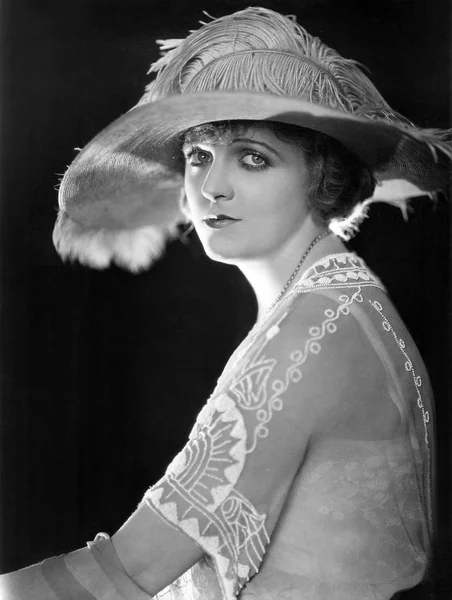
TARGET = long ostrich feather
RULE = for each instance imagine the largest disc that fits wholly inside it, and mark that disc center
(215, 57)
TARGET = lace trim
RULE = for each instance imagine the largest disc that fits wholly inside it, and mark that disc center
(337, 270)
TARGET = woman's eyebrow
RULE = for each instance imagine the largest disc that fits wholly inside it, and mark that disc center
(186, 146)
(252, 141)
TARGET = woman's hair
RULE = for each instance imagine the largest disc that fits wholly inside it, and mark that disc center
(339, 179)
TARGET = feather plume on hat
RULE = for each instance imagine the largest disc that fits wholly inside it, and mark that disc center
(259, 50)
(113, 208)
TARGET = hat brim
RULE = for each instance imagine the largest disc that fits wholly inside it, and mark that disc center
(130, 175)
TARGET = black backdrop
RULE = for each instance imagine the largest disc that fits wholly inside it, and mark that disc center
(103, 372)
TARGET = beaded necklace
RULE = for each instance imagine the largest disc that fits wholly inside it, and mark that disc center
(295, 272)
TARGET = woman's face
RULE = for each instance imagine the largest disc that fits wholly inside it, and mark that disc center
(246, 197)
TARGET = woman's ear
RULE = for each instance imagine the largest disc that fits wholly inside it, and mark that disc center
(183, 205)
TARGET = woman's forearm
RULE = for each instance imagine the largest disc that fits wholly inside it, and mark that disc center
(142, 558)
(26, 584)
(78, 572)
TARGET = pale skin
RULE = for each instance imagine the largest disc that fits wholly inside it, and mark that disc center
(262, 182)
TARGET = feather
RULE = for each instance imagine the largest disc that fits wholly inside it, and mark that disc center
(436, 140)
(134, 249)
(222, 55)
(396, 192)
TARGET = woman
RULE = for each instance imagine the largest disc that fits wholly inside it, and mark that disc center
(308, 473)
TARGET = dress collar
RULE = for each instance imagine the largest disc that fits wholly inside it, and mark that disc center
(345, 269)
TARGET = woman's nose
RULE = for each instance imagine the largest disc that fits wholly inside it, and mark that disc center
(217, 185)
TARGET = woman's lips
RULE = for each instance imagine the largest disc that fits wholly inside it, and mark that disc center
(219, 221)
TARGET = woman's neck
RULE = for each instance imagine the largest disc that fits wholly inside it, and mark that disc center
(269, 276)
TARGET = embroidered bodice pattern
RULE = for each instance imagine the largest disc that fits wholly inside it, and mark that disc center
(198, 493)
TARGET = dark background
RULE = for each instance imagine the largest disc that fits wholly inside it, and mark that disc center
(102, 373)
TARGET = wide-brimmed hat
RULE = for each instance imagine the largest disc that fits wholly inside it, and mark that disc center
(120, 198)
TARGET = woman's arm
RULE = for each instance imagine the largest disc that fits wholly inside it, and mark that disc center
(79, 578)
(30, 583)
(151, 551)
(222, 495)
(26, 584)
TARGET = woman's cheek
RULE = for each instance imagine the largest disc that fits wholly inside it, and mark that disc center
(192, 194)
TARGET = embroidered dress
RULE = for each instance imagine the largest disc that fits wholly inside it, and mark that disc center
(308, 472)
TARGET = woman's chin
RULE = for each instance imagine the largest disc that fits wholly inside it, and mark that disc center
(229, 249)
(219, 248)
(223, 252)
(229, 257)
(233, 256)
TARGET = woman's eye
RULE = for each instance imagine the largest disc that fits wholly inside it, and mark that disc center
(254, 160)
(196, 158)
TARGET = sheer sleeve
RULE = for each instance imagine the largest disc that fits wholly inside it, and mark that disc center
(228, 486)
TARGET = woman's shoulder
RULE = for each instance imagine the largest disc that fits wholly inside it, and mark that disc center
(326, 295)
(335, 271)
(341, 319)
(341, 288)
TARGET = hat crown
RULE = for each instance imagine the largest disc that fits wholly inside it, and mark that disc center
(259, 50)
